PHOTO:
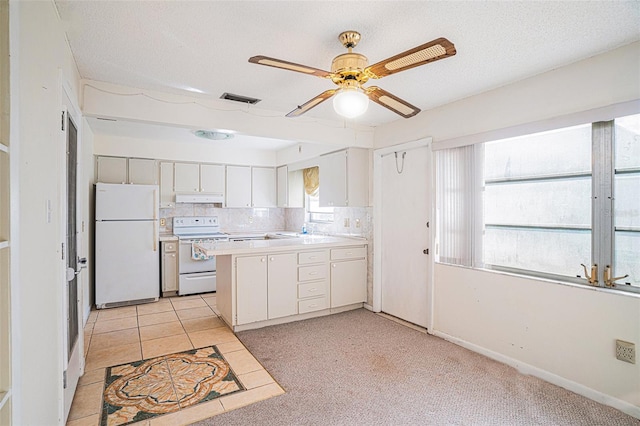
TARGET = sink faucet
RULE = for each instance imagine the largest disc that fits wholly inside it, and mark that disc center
(608, 280)
(593, 278)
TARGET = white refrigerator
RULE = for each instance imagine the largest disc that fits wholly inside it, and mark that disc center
(127, 263)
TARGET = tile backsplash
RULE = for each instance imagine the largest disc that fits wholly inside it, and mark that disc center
(348, 220)
(230, 220)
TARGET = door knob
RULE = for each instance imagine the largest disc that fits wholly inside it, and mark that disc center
(425, 251)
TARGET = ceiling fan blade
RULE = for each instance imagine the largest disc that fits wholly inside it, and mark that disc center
(392, 102)
(278, 63)
(434, 50)
(312, 103)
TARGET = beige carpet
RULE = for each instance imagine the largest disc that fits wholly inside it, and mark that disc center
(359, 368)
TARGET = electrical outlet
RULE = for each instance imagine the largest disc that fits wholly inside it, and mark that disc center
(250, 219)
(163, 221)
(626, 351)
(357, 223)
(346, 222)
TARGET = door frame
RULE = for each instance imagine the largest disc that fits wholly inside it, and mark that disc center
(69, 107)
(377, 225)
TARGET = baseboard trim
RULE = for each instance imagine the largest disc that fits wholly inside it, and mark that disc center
(547, 376)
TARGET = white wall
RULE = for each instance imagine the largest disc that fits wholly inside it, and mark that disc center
(566, 331)
(602, 80)
(564, 334)
(41, 52)
(180, 150)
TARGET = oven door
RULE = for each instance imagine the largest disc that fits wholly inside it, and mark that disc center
(188, 265)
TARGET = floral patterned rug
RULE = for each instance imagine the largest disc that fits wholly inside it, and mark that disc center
(144, 389)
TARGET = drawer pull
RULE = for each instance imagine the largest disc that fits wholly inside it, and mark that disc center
(313, 273)
(313, 305)
(312, 257)
(311, 290)
(349, 253)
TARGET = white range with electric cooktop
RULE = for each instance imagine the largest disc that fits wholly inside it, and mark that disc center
(196, 274)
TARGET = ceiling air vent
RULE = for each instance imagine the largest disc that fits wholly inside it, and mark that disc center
(239, 98)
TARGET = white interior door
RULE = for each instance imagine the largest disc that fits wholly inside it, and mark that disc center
(405, 211)
(73, 338)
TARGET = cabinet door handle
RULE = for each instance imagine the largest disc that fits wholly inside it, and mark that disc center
(333, 265)
(272, 259)
(262, 259)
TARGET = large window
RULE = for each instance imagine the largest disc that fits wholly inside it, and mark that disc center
(543, 204)
(537, 202)
(627, 199)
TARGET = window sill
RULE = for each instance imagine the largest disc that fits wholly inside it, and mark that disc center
(635, 293)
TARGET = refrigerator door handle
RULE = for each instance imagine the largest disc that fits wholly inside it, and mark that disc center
(155, 204)
(155, 233)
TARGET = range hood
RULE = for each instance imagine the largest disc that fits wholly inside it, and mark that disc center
(211, 198)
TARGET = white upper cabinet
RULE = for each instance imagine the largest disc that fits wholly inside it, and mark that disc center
(111, 169)
(290, 187)
(238, 186)
(282, 186)
(344, 178)
(263, 187)
(187, 177)
(212, 178)
(251, 186)
(143, 171)
(167, 194)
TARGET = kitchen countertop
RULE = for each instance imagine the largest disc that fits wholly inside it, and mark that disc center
(167, 237)
(221, 248)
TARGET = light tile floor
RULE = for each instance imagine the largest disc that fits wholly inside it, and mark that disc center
(132, 333)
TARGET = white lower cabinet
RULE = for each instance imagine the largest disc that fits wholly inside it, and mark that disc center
(251, 289)
(348, 276)
(281, 285)
(288, 284)
(169, 267)
(313, 288)
(266, 287)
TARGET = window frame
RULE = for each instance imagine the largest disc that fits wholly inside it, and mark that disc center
(602, 227)
(313, 215)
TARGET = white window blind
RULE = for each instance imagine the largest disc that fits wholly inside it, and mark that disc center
(456, 200)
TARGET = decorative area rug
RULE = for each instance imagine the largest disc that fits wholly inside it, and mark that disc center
(144, 389)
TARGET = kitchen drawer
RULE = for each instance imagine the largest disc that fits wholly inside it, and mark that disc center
(348, 253)
(314, 289)
(308, 273)
(311, 305)
(169, 247)
(308, 257)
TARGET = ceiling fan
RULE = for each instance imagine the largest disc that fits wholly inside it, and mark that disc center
(350, 71)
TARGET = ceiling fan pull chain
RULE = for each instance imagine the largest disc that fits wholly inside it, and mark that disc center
(401, 168)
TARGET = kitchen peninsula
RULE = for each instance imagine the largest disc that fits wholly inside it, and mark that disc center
(278, 280)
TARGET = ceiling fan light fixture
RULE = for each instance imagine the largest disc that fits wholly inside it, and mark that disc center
(350, 102)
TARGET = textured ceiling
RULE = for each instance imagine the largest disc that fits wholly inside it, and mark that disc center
(177, 46)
